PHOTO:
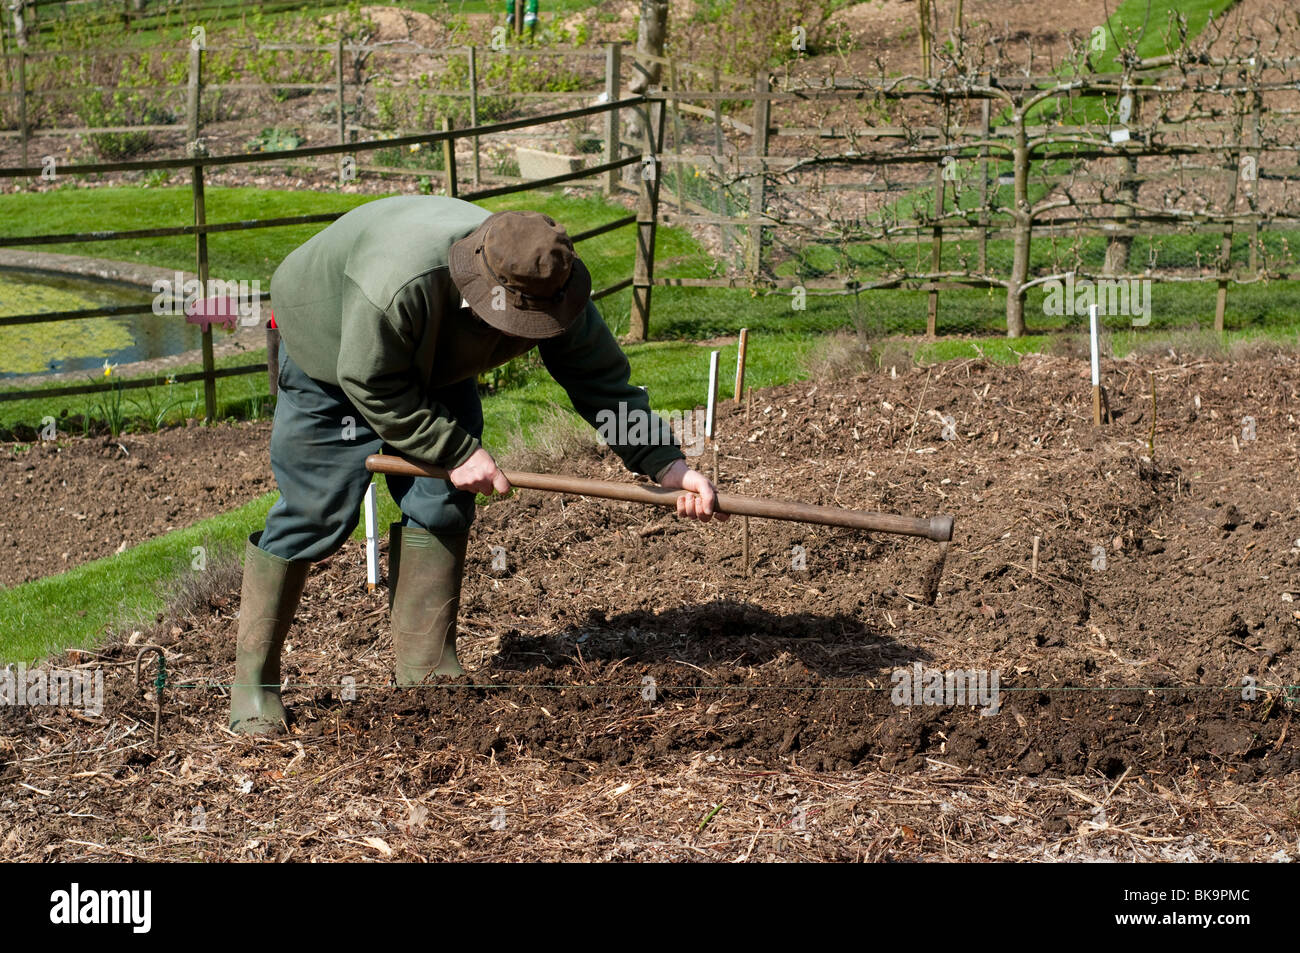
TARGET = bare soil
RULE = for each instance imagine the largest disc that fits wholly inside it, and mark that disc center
(74, 499)
(627, 678)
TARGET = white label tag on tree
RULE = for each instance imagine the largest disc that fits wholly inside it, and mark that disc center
(1119, 135)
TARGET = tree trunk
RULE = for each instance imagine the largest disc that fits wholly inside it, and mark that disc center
(651, 37)
(923, 34)
(1118, 248)
(20, 25)
(1022, 215)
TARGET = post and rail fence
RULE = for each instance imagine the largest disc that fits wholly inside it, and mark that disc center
(198, 161)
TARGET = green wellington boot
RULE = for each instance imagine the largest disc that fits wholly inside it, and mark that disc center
(425, 572)
(271, 590)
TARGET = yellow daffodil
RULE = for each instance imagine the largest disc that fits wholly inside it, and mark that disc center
(109, 369)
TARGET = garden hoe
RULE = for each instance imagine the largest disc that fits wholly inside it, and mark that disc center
(937, 528)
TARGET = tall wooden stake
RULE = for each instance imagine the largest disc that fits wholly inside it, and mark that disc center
(740, 364)
(473, 109)
(1252, 187)
(272, 360)
(719, 144)
(647, 220)
(1151, 437)
(744, 540)
(22, 101)
(449, 159)
(343, 125)
(677, 137)
(200, 218)
(985, 113)
(758, 184)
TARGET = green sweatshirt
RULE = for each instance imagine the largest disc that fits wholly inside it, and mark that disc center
(368, 304)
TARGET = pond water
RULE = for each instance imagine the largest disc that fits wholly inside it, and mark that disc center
(86, 343)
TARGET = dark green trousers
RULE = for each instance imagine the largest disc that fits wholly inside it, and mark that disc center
(319, 444)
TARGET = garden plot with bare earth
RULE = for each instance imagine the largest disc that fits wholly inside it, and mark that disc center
(632, 693)
(74, 499)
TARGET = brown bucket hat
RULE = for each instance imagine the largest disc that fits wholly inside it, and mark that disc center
(519, 273)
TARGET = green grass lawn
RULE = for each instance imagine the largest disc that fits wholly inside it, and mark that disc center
(1129, 17)
(254, 255)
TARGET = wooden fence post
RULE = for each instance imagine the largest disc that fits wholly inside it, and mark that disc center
(758, 184)
(197, 152)
(647, 220)
(613, 128)
(22, 101)
(192, 94)
(741, 347)
(677, 136)
(473, 109)
(343, 125)
(718, 143)
(449, 159)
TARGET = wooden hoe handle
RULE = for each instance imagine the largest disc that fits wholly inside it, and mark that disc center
(937, 528)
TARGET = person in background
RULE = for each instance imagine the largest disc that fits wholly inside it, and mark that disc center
(530, 16)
